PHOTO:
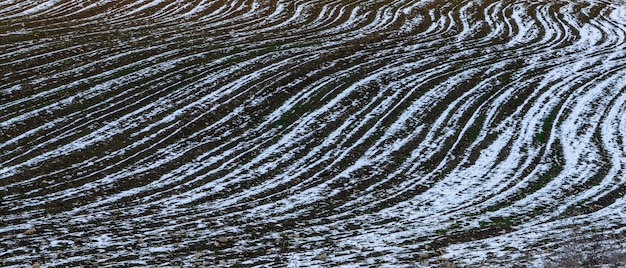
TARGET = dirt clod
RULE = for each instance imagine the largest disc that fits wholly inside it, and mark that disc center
(222, 240)
(442, 259)
(321, 257)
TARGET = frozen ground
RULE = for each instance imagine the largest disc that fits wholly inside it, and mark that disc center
(309, 133)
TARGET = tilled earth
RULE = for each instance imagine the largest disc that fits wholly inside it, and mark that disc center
(309, 133)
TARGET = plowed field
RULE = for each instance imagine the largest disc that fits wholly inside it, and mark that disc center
(309, 133)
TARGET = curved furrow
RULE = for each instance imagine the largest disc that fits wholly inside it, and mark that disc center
(306, 133)
(97, 134)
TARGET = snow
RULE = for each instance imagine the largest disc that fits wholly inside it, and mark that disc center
(352, 130)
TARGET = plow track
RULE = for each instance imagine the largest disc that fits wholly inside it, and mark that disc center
(300, 133)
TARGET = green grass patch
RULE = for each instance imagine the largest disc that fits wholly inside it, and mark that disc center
(286, 117)
(542, 136)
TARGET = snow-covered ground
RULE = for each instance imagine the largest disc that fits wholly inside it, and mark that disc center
(309, 133)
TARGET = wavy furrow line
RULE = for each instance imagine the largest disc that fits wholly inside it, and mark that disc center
(254, 132)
